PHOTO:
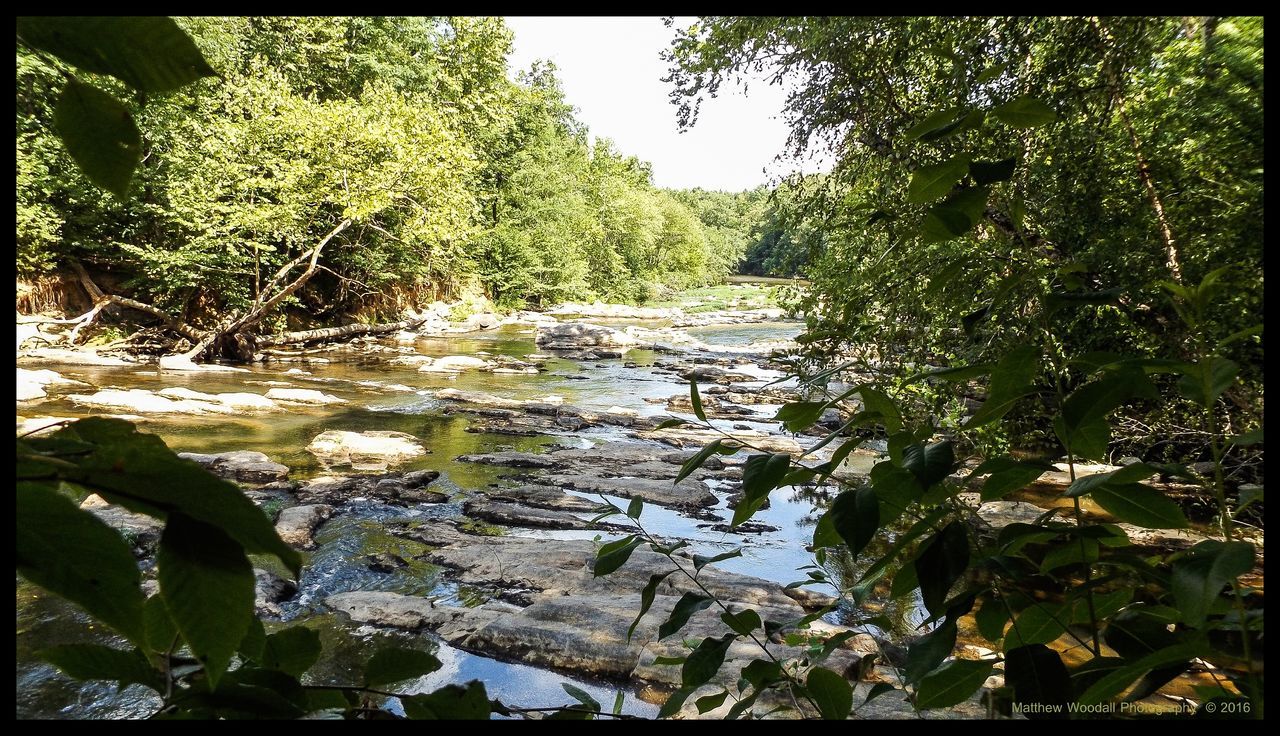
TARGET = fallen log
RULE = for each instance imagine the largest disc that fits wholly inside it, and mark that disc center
(303, 337)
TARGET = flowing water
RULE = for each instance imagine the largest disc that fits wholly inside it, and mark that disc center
(383, 396)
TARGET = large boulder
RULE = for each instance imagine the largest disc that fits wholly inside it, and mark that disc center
(372, 450)
(395, 488)
(579, 335)
(245, 466)
(297, 524)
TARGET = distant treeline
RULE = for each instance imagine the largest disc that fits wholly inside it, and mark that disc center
(453, 173)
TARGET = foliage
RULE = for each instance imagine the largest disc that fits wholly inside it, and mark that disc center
(1146, 164)
(452, 172)
(1140, 618)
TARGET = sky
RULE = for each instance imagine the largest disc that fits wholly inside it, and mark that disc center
(611, 72)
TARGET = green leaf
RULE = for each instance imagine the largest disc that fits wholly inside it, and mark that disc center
(100, 135)
(825, 534)
(1038, 676)
(743, 622)
(254, 642)
(940, 564)
(1207, 380)
(646, 599)
(1141, 505)
(208, 587)
(958, 373)
(697, 460)
(1060, 299)
(699, 561)
(635, 507)
(581, 696)
(991, 618)
(705, 660)
(70, 552)
(936, 123)
(954, 216)
(953, 684)
(800, 415)
(292, 651)
(149, 53)
(1081, 426)
(991, 73)
(96, 662)
(1005, 475)
(160, 629)
(927, 652)
(1248, 439)
(615, 554)
(879, 402)
(1240, 335)
(675, 701)
(711, 702)
(929, 463)
(1116, 478)
(760, 475)
(668, 423)
(897, 488)
(1201, 574)
(449, 703)
(831, 693)
(1039, 623)
(696, 400)
(990, 172)
(1114, 683)
(878, 689)
(855, 516)
(689, 604)
(1010, 381)
(1024, 112)
(930, 182)
(139, 472)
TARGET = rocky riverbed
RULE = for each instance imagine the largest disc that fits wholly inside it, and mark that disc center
(443, 486)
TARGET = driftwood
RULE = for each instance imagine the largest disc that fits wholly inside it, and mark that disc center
(334, 333)
(232, 339)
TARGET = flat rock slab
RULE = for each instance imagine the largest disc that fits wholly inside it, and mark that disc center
(688, 493)
(303, 396)
(71, 357)
(511, 514)
(141, 401)
(714, 374)
(698, 438)
(566, 566)
(373, 450)
(543, 497)
(540, 413)
(395, 488)
(584, 634)
(641, 460)
(237, 400)
(245, 466)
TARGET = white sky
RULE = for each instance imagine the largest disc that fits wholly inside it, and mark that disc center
(611, 72)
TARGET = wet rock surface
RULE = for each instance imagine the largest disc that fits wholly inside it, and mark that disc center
(245, 466)
(371, 450)
(392, 488)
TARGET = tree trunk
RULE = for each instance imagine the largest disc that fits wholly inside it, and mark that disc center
(232, 340)
(333, 333)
